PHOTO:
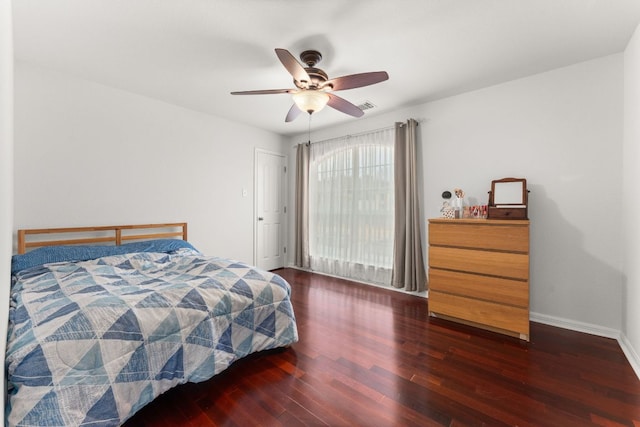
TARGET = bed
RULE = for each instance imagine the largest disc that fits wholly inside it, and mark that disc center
(99, 326)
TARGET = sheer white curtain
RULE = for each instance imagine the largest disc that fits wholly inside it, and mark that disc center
(351, 206)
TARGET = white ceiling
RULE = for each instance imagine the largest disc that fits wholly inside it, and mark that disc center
(192, 53)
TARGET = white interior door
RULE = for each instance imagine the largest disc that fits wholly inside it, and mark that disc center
(270, 210)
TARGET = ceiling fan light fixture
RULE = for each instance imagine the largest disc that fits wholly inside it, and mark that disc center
(310, 100)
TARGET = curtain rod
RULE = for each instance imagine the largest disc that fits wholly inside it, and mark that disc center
(355, 134)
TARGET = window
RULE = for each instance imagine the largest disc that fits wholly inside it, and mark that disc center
(351, 207)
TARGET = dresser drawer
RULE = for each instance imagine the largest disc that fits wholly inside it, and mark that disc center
(500, 264)
(492, 289)
(504, 317)
(483, 235)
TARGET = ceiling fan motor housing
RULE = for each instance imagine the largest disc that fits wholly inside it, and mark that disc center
(318, 76)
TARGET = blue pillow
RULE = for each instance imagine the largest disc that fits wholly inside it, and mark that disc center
(49, 254)
(159, 245)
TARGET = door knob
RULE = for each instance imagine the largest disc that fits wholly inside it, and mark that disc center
(260, 218)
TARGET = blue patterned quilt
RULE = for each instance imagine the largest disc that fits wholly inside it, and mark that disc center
(92, 342)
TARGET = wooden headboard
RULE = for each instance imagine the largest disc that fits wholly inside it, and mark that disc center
(115, 234)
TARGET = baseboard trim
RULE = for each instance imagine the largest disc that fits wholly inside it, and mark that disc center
(574, 325)
(627, 348)
(631, 354)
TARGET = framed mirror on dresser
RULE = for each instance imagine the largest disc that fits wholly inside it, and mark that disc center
(508, 199)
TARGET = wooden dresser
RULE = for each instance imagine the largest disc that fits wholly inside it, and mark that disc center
(479, 273)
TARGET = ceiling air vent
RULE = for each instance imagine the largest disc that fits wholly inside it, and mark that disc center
(366, 105)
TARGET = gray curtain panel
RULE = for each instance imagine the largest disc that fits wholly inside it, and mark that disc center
(408, 264)
(302, 207)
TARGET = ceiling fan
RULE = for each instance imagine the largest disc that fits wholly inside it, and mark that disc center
(314, 88)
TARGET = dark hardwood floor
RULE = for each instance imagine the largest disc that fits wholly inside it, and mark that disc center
(372, 357)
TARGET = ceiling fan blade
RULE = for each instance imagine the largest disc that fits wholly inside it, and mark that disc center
(264, 92)
(357, 80)
(343, 105)
(292, 65)
(293, 113)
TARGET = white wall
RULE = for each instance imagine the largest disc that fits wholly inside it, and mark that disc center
(631, 227)
(87, 154)
(562, 131)
(6, 175)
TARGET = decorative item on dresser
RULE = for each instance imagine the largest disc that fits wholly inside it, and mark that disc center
(479, 273)
(508, 199)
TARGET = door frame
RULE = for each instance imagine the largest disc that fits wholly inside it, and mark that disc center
(285, 187)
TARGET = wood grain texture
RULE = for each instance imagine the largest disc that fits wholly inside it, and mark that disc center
(492, 263)
(504, 291)
(478, 233)
(483, 313)
(112, 234)
(373, 357)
